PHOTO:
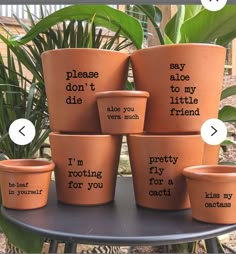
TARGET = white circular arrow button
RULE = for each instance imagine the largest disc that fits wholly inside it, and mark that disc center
(22, 131)
(213, 5)
(213, 131)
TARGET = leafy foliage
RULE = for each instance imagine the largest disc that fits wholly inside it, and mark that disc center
(20, 98)
(101, 15)
(195, 24)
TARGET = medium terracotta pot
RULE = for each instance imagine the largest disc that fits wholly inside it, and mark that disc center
(212, 191)
(157, 163)
(122, 112)
(72, 78)
(86, 167)
(25, 183)
(180, 79)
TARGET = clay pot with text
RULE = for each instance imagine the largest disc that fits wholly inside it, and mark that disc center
(122, 112)
(86, 167)
(25, 183)
(212, 192)
(184, 82)
(157, 162)
(72, 78)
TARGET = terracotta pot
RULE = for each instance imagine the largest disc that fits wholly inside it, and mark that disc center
(72, 78)
(86, 167)
(179, 79)
(211, 154)
(25, 183)
(122, 112)
(212, 191)
(157, 163)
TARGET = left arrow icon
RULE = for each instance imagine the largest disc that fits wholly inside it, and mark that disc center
(21, 131)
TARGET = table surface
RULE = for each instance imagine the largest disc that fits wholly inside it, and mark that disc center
(120, 222)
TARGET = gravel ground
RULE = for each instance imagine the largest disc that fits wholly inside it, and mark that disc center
(229, 155)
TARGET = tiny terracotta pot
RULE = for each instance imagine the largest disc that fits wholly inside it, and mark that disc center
(157, 163)
(72, 78)
(25, 183)
(179, 79)
(122, 112)
(212, 191)
(86, 167)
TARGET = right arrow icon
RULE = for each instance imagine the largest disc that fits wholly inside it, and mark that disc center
(215, 130)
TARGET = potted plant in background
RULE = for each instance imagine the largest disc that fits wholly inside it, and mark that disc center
(83, 30)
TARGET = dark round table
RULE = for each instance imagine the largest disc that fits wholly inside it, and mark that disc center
(118, 223)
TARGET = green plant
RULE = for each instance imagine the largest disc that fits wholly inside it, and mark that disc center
(20, 98)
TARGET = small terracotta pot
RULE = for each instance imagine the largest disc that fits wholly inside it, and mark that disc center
(157, 163)
(86, 167)
(212, 191)
(72, 78)
(122, 112)
(25, 183)
(179, 79)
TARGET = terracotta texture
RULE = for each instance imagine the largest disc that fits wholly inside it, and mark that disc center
(122, 112)
(157, 163)
(184, 82)
(86, 167)
(212, 191)
(211, 154)
(72, 78)
(25, 183)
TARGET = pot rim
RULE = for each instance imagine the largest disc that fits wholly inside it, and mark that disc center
(180, 45)
(55, 51)
(170, 136)
(80, 135)
(37, 166)
(220, 173)
(122, 93)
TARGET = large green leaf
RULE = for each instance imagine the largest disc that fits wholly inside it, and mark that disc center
(154, 14)
(25, 240)
(172, 29)
(227, 114)
(192, 10)
(103, 15)
(207, 26)
(227, 38)
(229, 91)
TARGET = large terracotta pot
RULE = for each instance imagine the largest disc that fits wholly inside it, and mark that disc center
(122, 112)
(157, 163)
(72, 78)
(86, 167)
(212, 191)
(25, 183)
(184, 82)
